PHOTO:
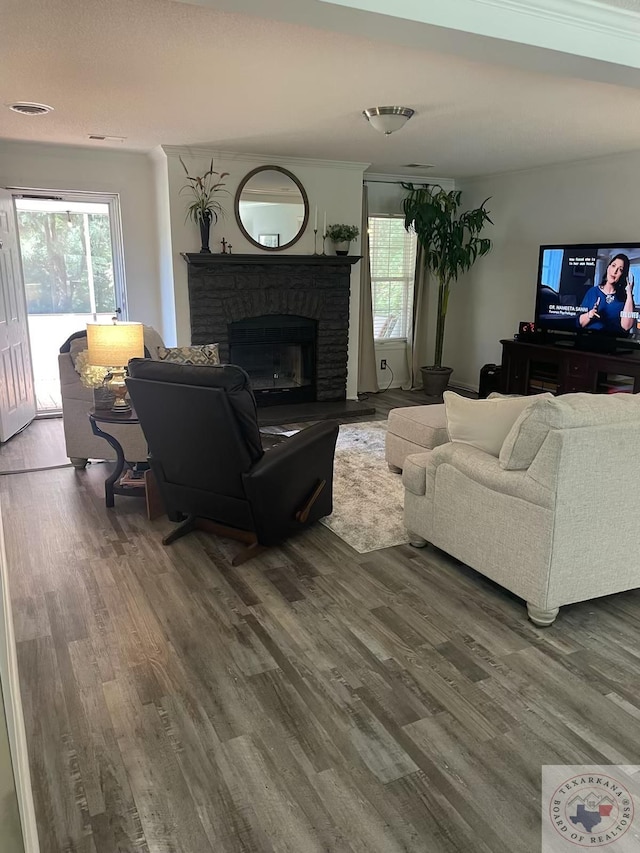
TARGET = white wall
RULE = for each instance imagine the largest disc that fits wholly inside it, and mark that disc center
(333, 186)
(165, 255)
(592, 201)
(58, 167)
(385, 199)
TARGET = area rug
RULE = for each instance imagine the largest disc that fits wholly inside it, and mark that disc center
(368, 499)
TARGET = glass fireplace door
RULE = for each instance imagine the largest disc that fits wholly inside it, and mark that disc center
(278, 353)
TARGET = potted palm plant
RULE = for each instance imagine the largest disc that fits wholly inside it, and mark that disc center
(451, 244)
(341, 236)
(205, 208)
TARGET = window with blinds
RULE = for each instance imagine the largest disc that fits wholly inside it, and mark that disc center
(393, 262)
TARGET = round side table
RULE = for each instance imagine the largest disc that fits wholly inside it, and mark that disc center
(111, 485)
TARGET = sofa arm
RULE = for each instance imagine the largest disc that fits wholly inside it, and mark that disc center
(282, 481)
(485, 469)
(414, 473)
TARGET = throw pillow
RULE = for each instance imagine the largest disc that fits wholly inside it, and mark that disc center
(205, 354)
(482, 423)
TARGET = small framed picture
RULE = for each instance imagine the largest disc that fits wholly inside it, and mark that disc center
(271, 241)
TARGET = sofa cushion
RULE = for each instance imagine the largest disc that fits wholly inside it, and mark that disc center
(570, 411)
(204, 354)
(482, 423)
(425, 426)
(414, 472)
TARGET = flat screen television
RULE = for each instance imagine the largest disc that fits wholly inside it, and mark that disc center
(590, 292)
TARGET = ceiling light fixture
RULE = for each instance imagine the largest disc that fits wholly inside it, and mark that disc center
(27, 108)
(388, 119)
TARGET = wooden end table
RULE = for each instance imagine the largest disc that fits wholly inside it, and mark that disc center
(115, 484)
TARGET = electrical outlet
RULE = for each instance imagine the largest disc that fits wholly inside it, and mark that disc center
(383, 364)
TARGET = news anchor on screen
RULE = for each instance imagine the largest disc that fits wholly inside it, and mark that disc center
(604, 303)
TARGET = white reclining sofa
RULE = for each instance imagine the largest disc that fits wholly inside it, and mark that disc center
(555, 517)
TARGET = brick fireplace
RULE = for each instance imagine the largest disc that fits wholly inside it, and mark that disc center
(247, 300)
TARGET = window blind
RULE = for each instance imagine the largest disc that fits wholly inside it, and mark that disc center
(392, 253)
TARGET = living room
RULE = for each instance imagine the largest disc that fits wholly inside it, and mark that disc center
(323, 695)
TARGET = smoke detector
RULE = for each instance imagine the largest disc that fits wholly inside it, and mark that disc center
(27, 108)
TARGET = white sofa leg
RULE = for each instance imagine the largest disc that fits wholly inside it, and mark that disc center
(542, 618)
(416, 541)
(394, 468)
(78, 463)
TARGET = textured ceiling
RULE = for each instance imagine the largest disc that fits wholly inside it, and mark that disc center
(158, 72)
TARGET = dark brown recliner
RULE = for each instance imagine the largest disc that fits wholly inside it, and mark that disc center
(205, 451)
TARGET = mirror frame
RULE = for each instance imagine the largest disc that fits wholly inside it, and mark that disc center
(236, 208)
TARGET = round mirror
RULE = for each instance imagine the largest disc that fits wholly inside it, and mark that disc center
(271, 208)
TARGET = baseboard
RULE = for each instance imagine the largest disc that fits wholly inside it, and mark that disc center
(13, 708)
(384, 387)
(464, 386)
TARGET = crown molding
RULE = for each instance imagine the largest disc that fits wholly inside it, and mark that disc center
(587, 14)
(263, 159)
(606, 29)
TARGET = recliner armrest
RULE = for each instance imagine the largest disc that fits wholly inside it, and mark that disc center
(284, 478)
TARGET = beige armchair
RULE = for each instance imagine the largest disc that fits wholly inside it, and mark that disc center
(553, 518)
(77, 400)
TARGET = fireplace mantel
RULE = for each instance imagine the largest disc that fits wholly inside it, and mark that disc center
(205, 259)
(224, 289)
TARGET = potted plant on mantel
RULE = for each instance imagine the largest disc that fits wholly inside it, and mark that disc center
(205, 208)
(341, 236)
(451, 245)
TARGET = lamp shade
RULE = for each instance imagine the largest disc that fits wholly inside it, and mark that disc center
(387, 119)
(113, 345)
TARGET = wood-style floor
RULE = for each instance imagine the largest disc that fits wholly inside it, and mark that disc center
(314, 699)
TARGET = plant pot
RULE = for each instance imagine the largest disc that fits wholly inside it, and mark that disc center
(435, 380)
(205, 227)
(342, 247)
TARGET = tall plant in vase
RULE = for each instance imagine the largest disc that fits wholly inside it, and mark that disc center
(205, 208)
(451, 244)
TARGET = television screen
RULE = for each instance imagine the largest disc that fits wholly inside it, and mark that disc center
(590, 288)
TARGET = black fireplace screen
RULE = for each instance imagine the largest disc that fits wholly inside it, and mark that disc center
(278, 353)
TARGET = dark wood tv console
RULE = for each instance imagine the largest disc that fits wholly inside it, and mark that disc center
(530, 368)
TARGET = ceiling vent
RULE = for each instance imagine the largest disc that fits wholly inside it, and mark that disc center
(418, 166)
(99, 137)
(26, 108)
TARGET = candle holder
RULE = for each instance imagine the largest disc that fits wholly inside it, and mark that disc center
(315, 237)
(324, 243)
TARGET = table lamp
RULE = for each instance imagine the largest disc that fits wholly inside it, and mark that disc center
(112, 346)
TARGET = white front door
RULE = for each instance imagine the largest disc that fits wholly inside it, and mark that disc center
(17, 400)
